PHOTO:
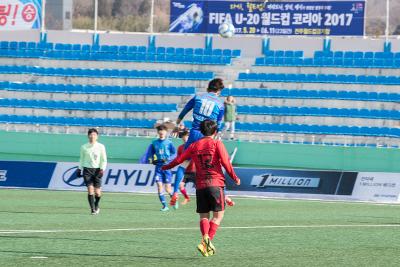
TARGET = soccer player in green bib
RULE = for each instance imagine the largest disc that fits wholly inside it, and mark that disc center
(92, 163)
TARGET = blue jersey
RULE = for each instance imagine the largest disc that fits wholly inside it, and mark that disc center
(206, 106)
(162, 151)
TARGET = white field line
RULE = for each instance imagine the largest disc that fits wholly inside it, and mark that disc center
(195, 228)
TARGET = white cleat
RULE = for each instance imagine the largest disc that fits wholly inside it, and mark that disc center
(97, 211)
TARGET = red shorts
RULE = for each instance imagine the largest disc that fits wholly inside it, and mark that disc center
(210, 199)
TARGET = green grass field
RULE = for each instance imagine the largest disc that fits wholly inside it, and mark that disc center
(132, 232)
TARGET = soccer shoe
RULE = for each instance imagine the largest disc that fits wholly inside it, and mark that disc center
(209, 246)
(164, 209)
(202, 249)
(185, 201)
(230, 202)
(174, 199)
(97, 211)
(176, 206)
(93, 212)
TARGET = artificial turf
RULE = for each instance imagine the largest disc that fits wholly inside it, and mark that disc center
(135, 233)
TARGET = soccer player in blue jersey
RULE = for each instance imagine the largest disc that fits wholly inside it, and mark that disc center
(206, 106)
(161, 152)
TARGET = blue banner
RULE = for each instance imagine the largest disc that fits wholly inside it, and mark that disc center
(26, 174)
(275, 18)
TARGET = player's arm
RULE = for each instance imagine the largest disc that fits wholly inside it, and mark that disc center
(80, 167)
(172, 151)
(103, 161)
(186, 155)
(103, 158)
(224, 157)
(220, 118)
(188, 107)
(150, 154)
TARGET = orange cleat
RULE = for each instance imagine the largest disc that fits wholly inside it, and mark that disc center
(185, 201)
(174, 198)
(229, 202)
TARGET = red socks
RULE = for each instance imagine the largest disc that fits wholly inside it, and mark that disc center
(208, 227)
(204, 226)
(184, 193)
(213, 230)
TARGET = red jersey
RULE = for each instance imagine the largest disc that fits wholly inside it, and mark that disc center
(209, 156)
(190, 167)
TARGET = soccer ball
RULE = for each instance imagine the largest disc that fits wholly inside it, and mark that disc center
(226, 30)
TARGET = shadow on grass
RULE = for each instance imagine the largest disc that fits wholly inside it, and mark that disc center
(11, 237)
(49, 254)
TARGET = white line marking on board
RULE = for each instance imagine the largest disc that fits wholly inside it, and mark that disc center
(195, 228)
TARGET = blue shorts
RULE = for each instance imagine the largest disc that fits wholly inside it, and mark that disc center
(195, 135)
(161, 176)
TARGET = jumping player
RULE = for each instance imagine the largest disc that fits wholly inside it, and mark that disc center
(205, 106)
(160, 153)
(92, 163)
(209, 157)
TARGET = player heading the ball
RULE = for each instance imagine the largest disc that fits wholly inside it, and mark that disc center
(206, 106)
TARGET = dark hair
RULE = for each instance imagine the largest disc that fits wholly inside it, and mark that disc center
(183, 133)
(92, 130)
(162, 127)
(215, 85)
(208, 127)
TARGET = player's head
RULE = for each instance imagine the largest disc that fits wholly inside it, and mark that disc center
(230, 99)
(208, 128)
(184, 135)
(215, 86)
(93, 135)
(162, 131)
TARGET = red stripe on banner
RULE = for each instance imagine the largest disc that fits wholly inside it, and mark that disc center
(15, 14)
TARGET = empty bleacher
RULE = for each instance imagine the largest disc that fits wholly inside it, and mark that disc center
(124, 53)
(52, 86)
(333, 59)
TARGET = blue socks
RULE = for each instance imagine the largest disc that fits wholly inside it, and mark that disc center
(180, 173)
(162, 199)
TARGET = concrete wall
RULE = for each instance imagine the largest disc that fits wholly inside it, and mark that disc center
(59, 147)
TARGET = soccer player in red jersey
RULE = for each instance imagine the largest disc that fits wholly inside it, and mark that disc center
(209, 156)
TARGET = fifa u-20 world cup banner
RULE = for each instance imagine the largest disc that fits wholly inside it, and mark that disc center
(275, 18)
(20, 14)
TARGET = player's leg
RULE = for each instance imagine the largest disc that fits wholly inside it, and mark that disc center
(226, 128)
(232, 130)
(159, 178)
(183, 191)
(88, 178)
(161, 196)
(203, 209)
(218, 210)
(229, 201)
(217, 205)
(215, 222)
(97, 197)
(180, 173)
(97, 191)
